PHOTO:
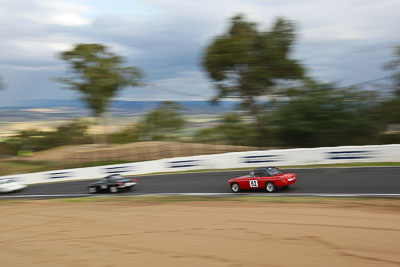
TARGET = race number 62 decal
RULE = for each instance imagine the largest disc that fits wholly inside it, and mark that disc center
(253, 183)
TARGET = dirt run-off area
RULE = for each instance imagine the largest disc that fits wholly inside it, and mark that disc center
(227, 232)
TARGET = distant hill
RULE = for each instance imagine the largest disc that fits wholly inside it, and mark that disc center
(55, 109)
(123, 104)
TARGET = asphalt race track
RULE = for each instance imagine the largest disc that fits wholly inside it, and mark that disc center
(359, 180)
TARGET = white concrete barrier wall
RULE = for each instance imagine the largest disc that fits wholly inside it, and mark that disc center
(279, 157)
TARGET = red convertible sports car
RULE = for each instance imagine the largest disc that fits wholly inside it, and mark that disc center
(269, 178)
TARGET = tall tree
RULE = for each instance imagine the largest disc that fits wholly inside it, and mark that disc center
(98, 75)
(394, 65)
(247, 63)
(390, 108)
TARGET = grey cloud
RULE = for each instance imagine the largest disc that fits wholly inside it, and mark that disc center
(341, 40)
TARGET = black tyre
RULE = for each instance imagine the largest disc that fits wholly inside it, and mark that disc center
(113, 189)
(270, 187)
(235, 187)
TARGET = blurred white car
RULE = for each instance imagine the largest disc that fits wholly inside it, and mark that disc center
(10, 185)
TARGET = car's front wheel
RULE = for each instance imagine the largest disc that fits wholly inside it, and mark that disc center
(235, 188)
(270, 187)
(92, 189)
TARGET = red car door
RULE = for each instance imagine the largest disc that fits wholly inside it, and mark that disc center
(265, 177)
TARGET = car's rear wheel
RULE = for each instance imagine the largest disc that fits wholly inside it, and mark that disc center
(235, 187)
(113, 189)
(270, 187)
(92, 189)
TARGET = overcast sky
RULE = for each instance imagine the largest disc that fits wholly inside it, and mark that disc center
(345, 41)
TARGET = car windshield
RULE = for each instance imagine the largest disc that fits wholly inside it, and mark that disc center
(115, 177)
(274, 171)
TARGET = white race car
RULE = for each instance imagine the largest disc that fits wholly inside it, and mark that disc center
(10, 185)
